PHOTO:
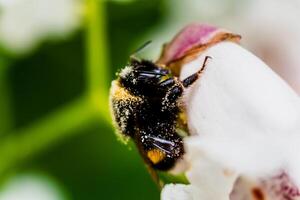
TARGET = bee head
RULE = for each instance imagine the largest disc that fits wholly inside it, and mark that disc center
(142, 77)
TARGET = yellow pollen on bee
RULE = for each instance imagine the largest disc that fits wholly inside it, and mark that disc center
(156, 155)
(120, 93)
(165, 77)
(182, 118)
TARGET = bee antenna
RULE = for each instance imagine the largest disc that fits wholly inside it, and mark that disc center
(133, 55)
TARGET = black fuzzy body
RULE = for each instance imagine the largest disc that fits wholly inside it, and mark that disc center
(151, 118)
(157, 128)
(145, 103)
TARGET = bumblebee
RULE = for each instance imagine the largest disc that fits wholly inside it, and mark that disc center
(146, 104)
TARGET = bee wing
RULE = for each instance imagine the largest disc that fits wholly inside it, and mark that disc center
(164, 145)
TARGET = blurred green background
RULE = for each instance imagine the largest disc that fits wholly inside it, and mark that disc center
(54, 118)
(57, 59)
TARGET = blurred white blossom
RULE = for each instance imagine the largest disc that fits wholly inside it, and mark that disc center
(272, 30)
(25, 23)
(31, 187)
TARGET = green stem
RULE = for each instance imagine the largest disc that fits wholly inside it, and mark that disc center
(97, 65)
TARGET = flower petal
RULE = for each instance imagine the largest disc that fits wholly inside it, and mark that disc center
(177, 192)
(193, 37)
(245, 118)
(240, 109)
(212, 180)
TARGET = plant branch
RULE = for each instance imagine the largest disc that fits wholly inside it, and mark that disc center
(96, 48)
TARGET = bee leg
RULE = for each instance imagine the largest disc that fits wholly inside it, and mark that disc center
(170, 100)
(174, 93)
(155, 177)
(192, 78)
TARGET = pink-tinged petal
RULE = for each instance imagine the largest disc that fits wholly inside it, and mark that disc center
(191, 37)
(278, 187)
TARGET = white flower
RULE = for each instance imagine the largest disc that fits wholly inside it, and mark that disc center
(245, 126)
(177, 192)
(24, 23)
